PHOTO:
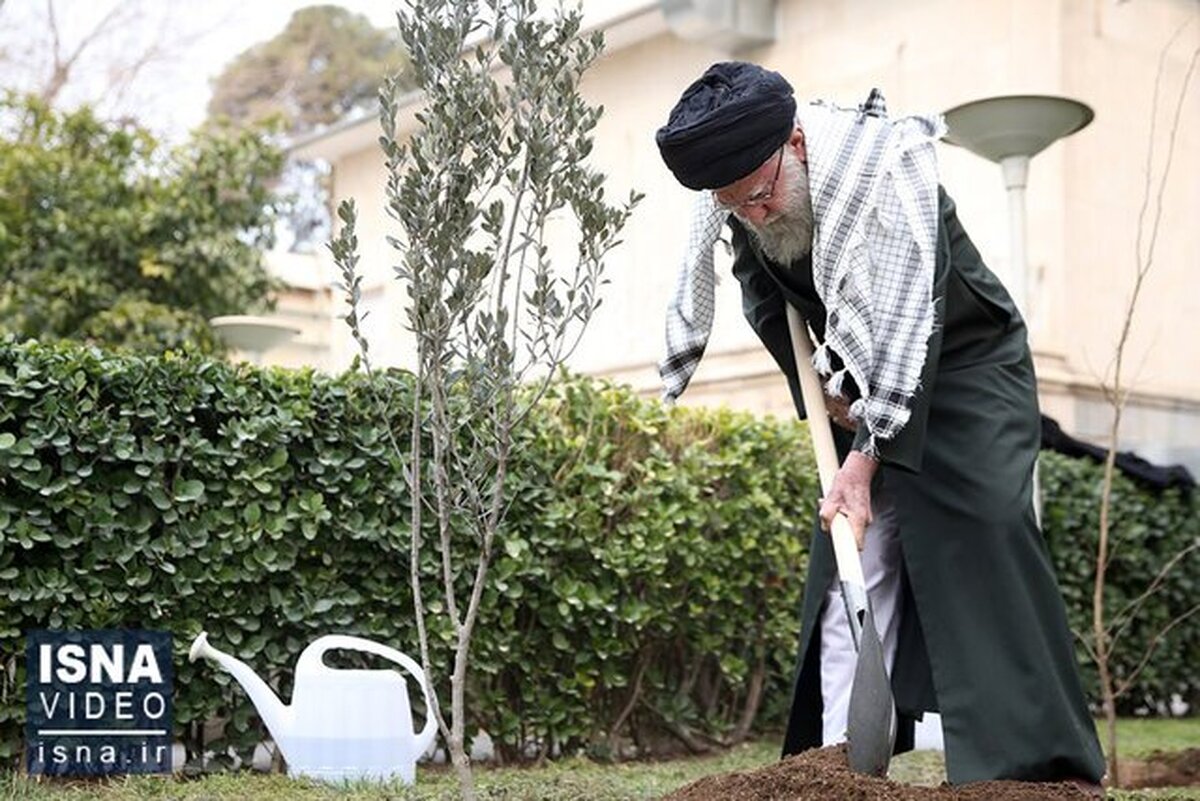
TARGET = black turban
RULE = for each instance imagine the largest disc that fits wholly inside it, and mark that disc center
(727, 124)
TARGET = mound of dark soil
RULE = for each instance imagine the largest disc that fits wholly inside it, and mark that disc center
(1163, 769)
(824, 775)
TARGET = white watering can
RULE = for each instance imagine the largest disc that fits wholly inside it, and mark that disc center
(341, 724)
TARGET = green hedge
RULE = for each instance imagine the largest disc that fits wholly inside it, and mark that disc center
(652, 569)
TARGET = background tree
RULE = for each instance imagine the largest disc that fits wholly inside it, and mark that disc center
(107, 237)
(106, 53)
(327, 64)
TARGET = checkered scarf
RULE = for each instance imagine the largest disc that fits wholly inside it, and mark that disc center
(874, 190)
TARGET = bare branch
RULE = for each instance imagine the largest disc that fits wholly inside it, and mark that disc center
(1087, 646)
(1158, 637)
(50, 91)
(61, 69)
(1129, 611)
(161, 46)
(1162, 62)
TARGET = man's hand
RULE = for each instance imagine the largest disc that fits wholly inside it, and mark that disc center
(851, 495)
(839, 411)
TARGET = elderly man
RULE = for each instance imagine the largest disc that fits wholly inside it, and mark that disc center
(924, 358)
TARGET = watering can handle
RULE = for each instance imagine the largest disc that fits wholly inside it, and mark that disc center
(313, 657)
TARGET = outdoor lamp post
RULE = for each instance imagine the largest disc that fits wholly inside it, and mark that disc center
(1010, 130)
(252, 335)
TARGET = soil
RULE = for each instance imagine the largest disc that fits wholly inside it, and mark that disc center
(1163, 769)
(824, 775)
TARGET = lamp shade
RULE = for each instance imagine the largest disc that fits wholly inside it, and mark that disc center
(252, 334)
(1014, 125)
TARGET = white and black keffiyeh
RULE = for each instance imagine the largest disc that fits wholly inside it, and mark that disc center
(874, 190)
(690, 313)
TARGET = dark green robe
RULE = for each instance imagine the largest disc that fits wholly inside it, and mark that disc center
(984, 637)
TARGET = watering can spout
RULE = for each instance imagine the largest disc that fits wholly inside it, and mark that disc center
(274, 713)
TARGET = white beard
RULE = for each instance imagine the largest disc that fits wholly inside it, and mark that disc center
(787, 235)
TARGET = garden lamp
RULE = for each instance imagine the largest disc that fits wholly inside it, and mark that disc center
(1010, 130)
(252, 335)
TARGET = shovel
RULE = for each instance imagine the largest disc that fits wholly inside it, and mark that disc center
(871, 724)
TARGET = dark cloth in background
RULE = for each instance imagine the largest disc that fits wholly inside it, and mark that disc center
(1158, 477)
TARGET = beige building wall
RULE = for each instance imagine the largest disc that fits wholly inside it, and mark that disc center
(1111, 57)
(307, 306)
(1083, 196)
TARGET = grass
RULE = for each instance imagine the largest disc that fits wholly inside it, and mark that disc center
(573, 779)
(1139, 737)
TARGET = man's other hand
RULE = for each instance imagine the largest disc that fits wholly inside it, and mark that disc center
(851, 495)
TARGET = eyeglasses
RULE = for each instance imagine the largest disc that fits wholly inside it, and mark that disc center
(758, 198)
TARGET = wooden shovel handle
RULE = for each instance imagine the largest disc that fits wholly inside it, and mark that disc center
(844, 546)
(814, 400)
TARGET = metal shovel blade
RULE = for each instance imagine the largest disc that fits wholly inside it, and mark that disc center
(871, 724)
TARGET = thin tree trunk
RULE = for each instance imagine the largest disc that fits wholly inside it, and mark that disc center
(754, 692)
(462, 768)
(457, 739)
(635, 694)
(1099, 627)
(679, 731)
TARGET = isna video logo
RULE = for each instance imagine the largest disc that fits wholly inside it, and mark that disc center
(98, 703)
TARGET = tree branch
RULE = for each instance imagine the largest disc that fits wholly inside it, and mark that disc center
(1132, 607)
(1132, 677)
(61, 69)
